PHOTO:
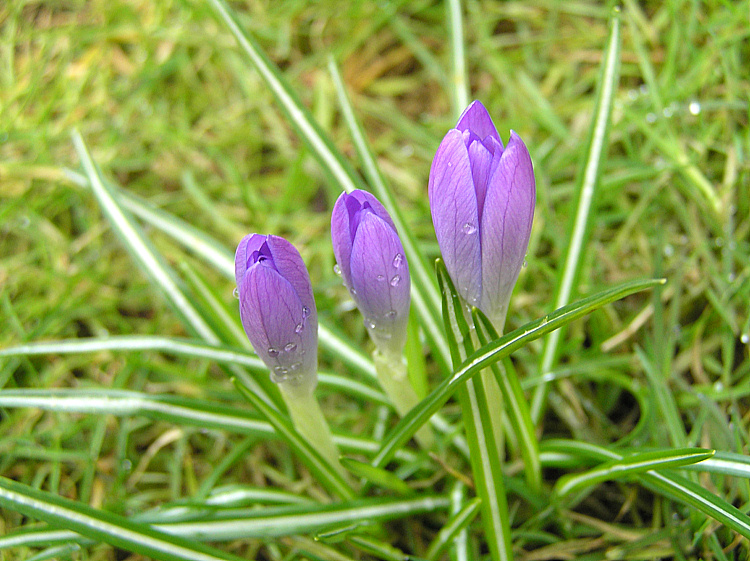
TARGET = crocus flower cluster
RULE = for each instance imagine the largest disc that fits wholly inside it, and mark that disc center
(371, 260)
(482, 199)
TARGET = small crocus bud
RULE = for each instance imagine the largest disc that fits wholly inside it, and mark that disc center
(277, 309)
(482, 200)
(373, 266)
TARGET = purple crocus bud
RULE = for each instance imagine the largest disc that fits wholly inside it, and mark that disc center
(482, 199)
(277, 309)
(373, 266)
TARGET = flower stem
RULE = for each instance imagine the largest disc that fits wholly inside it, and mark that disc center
(309, 421)
(393, 378)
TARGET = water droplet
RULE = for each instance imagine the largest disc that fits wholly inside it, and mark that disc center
(337, 269)
(694, 108)
(381, 278)
(668, 250)
(718, 386)
(299, 327)
(273, 352)
(390, 314)
(289, 347)
(450, 165)
(352, 292)
(370, 324)
(398, 260)
(731, 277)
(745, 338)
(651, 118)
(236, 293)
(296, 366)
(305, 312)
(469, 228)
(395, 280)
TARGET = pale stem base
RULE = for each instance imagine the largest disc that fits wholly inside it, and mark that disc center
(309, 421)
(394, 380)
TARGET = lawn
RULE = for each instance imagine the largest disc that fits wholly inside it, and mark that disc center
(140, 141)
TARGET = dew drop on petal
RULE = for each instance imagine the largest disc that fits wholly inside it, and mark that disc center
(469, 228)
(390, 314)
(296, 366)
(273, 352)
(370, 324)
(236, 293)
(524, 264)
(298, 328)
(352, 292)
(305, 312)
(398, 260)
(395, 280)
(289, 347)
(381, 278)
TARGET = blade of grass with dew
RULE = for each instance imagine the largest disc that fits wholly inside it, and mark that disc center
(382, 478)
(329, 476)
(629, 465)
(486, 463)
(158, 272)
(104, 526)
(174, 409)
(452, 528)
(214, 253)
(424, 290)
(515, 405)
(191, 349)
(585, 194)
(497, 350)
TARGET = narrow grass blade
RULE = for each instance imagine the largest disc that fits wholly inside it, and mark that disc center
(152, 263)
(192, 349)
(667, 484)
(178, 410)
(424, 291)
(379, 476)
(515, 405)
(629, 465)
(459, 81)
(586, 191)
(451, 529)
(481, 434)
(104, 526)
(497, 350)
(327, 474)
(316, 139)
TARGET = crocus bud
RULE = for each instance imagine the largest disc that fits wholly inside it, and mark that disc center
(482, 201)
(373, 266)
(277, 309)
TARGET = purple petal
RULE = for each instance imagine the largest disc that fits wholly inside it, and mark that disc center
(380, 279)
(344, 222)
(453, 204)
(480, 156)
(289, 264)
(245, 249)
(274, 321)
(506, 225)
(475, 118)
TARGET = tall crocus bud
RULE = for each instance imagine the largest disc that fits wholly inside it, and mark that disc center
(278, 310)
(482, 200)
(372, 263)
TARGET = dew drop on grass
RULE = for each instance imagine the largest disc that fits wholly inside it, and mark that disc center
(745, 338)
(694, 108)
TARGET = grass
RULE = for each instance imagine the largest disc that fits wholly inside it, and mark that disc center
(174, 115)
